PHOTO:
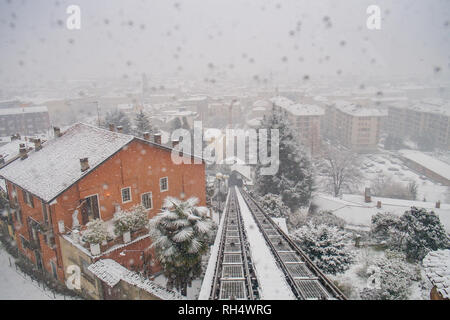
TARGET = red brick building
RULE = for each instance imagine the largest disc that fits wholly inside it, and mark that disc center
(94, 172)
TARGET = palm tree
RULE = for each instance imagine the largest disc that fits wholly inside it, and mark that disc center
(181, 234)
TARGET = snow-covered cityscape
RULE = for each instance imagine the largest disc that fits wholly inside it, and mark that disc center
(225, 150)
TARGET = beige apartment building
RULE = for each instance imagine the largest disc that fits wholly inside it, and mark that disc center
(306, 119)
(355, 126)
(427, 117)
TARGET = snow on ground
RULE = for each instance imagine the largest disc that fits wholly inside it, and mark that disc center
(192, 292)
(272, 282)
(419, 290)
(18, 286)
(393, 166)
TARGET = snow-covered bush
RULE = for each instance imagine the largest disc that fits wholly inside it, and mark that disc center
(95, 232)
(326, 246)
(274, 206)
(384, 228)
(130, 220)
(390, 278)
(416, 232)
(181, 234)
(424, 233)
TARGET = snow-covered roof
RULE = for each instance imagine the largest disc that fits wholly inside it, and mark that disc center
(111, 272)
(193, 99)
(297, 109)
(432, 164)
(11, 149)
(256, 122)
(355, 211)
(435, 106)
(9, 111)
(262, 104)
(437, 269)
(358, 110)
(48, 172)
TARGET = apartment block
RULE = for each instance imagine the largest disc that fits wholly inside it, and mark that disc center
(306, 119)
(26, 121)
(355, 126)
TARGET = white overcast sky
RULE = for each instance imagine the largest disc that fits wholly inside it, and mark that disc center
(201, 38)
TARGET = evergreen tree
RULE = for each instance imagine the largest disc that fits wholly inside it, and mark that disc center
(294, 179)
(415, 233)
(274, 206)
(142, 124)
(325, 246)
(181, 234)
(424, 233)
(118, 118)
(175, 124)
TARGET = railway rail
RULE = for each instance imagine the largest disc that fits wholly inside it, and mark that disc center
(303, 276)
(234, 277)
(234, 274)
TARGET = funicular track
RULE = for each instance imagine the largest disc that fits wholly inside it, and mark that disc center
(305, 279)
(234, 277)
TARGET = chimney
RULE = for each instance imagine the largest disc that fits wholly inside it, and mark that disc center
(367, 197)
(23, 151)
(175, 143)
(378, 204)
(2, 160)
(119, 129)
(37, 144)
(57, 132)
(112, 127)
(157, 137)
(146, 135)
(84, 162)
(438, 204)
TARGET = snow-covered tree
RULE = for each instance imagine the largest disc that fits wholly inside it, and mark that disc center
(326, 246)
(385, 228)
(130, 220)
(389, 278)
(416, 232)
(181, 234)
(274, 206)
(424, 233)
(294, 179)
(340, 168)
(118, 118)
(142, 124)
(95, 232)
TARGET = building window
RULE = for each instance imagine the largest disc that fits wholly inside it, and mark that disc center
(90, 209)
(45, 213)
(54, 272)
(147, 200)
(126, 195)
(19, 215)
(163, 184)
(28, 198)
